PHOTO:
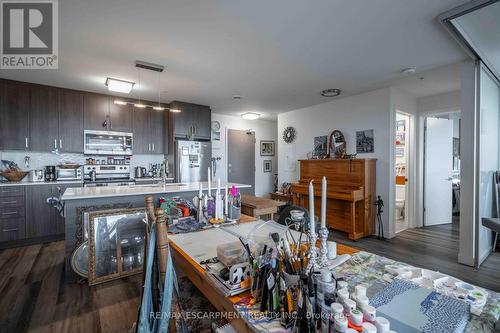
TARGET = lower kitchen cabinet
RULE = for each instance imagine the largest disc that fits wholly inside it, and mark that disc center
(12, 213)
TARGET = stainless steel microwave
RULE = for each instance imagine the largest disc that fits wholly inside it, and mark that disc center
(107, 143)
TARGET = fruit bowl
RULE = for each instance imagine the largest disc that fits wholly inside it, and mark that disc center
(14, 176)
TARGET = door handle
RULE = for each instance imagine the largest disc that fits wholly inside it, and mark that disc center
(9, 230)
(9, 213)
(149, 147)
(26, 142)
(55, 143)
(153, 145)
(60, 143)
(9, 202)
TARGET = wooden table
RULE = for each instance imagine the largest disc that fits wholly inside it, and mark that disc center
(257, 207)
(196, 273)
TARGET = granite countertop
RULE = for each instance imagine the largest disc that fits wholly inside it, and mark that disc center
(30, 183)
(117, 191)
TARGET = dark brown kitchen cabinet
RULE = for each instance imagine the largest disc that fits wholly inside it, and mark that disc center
(149, 132)
(43, 118)
(12, 213)
(96, 111)
(120, 116)
(14, 115)
(41, 218)
(193, 122)
(71, 121)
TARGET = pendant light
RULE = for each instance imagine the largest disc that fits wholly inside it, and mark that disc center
(139, 104)
(159, 107)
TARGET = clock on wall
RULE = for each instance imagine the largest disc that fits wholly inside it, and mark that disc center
(289, 134)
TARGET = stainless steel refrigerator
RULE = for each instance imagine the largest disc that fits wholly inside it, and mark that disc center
(192, 159)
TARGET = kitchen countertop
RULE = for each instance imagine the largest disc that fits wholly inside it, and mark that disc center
(117, 191)
(29, 183)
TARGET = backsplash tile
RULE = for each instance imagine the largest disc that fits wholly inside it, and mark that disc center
(38, 160)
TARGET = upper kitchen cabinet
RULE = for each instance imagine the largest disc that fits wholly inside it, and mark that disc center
(43, 118)
(71, 121)
(14, 115)
(193, 122)
(96, 112)
(149, 131)
(120, 116)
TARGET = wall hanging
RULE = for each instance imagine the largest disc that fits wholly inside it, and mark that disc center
(289, 134)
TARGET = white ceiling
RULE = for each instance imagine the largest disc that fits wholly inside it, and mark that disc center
(277, 54)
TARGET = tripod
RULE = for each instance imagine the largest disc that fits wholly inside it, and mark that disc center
(380, 204)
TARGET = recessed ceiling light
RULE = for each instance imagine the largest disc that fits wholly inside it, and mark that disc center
(250, 116)
(409, 70)
(331, 92)
(140, 105)
(116, 101)
(118, 85)
(175, 110)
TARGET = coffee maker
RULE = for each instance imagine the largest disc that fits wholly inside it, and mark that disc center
(50, 173)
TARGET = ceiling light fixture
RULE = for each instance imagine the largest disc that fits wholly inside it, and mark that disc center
(331, 92)
(140, 105)
(118, 85)
(409, 70)
(175, 110)
(159, 107)
(116, 101)
(250, 116)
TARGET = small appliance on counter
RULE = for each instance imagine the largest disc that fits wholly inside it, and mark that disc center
(63, 172)
(36, 176)
(140, 172)
(50, 173)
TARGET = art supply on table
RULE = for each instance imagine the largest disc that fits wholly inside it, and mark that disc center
(234, 204)
(368, 328)
(382, 324)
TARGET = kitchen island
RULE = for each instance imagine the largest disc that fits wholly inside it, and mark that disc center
(79, 200)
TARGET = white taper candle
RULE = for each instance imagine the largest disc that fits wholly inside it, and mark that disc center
(209, 182)
(311, 207)
(323, 203)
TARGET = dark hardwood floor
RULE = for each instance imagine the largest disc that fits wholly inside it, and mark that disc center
(35, 298)
(433, 248)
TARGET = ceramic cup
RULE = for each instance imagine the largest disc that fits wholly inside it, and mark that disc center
(383, 325)
(356, 317)
(340, 324)
(360, 290)
(368, 328)
(349, 305)
(331, 247)
(369, 313)
(362, 301)
(337, 309)
(342, 285)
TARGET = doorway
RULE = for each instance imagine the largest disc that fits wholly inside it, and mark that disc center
(442, 169)
(401, 163)
(241, 158)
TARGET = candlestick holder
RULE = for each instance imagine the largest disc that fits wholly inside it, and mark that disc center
(200, 216)
(323, 250)
(313, 250)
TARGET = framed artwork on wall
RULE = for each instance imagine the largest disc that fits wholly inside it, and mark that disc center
(268, 166)
(266, 148)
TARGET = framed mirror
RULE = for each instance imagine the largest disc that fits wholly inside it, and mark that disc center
(337, 146)
(115, 243)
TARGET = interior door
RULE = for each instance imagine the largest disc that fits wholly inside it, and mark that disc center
(438, 166)
(241, 158)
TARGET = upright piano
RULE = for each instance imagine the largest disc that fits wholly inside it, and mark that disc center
(350, 193)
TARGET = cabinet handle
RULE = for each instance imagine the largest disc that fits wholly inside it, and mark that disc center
(153, 147)
(55, 143)
(9, 213)
(149, 147)
(26, 142)
(13, 229)
(9, 202)
(60, 143)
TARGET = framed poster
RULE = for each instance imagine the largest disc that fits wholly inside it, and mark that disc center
(268, 166)
(266, 148)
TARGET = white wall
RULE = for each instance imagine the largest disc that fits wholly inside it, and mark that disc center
(264, 130)
(441, 102)
(371, 110)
